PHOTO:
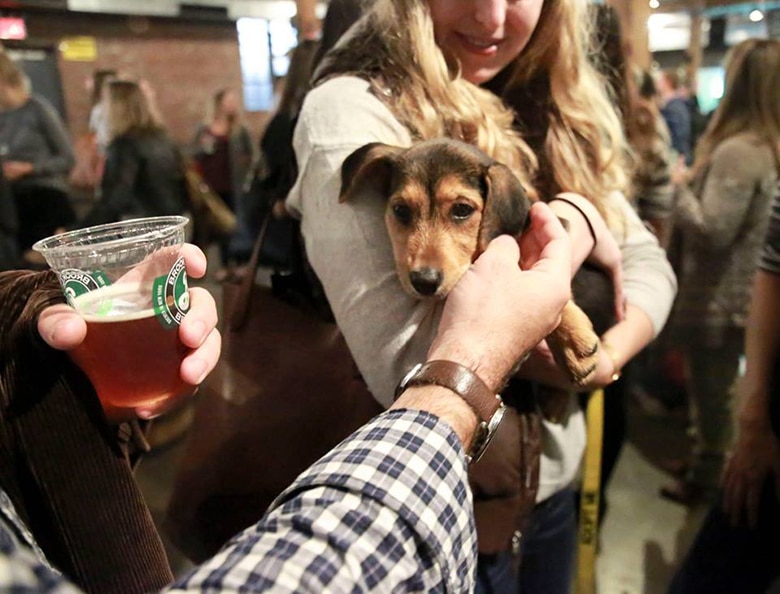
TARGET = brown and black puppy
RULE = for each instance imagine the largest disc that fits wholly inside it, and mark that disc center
(446, 200)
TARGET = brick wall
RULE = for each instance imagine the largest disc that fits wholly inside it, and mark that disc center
(185, 62)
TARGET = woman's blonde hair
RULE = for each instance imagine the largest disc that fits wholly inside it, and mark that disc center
(581, 147)
(751, 101)
(129, 110)
(14, 83)
(10, 74)
(563, 105)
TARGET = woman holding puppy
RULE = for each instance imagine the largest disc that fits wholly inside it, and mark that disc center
(512, 78)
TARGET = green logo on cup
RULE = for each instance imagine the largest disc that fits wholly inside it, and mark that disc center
(76, 282)
(170, 296)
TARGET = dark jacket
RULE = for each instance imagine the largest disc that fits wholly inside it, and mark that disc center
(9, 227)
(143, 177)
(66, 471)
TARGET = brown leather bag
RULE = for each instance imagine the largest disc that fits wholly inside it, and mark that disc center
(284, 393)
(506, 480)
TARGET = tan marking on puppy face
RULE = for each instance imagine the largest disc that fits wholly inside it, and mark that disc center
(434, 237)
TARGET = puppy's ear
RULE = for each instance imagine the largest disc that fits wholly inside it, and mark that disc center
(506, 205)
(369, 168)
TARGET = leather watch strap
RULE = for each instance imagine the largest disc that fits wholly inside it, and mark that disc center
(462, 381)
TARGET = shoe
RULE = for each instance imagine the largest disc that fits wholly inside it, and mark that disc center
(683, 492)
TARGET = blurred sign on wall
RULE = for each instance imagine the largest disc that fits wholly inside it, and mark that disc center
(79, 49)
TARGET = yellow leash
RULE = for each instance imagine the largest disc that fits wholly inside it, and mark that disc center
(589, 502)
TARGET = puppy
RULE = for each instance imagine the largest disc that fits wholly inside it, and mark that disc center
(446, 200)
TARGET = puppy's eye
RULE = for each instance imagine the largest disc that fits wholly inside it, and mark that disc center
(403, 213)
(462, 211)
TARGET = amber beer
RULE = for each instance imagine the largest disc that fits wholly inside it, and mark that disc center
(131, 358)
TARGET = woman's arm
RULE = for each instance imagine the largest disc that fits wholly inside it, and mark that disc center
(387, 331)
(737, 168)
(649, 286)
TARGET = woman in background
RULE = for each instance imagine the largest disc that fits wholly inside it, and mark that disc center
(223, 155)
(37, 157)
(723, 209)
(143, 174)
(98, 116)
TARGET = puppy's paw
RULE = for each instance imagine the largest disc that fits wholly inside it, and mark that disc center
(574, 344)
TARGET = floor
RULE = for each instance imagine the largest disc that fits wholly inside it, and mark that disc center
(643, 537)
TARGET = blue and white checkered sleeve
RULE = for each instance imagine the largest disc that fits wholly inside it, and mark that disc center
(388, 510)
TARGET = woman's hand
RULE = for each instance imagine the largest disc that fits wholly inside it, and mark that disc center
(680, 173)
(592, 241)
(754, 458)
(63, 329)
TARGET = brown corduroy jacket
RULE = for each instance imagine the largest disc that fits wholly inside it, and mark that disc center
(66, 470)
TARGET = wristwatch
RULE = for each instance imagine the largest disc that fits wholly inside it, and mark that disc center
(488, 406)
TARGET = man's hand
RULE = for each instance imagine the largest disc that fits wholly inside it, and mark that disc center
(498, 312)
(62, 328)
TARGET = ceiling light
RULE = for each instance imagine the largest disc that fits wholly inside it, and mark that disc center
(654, 4)
(756, 16)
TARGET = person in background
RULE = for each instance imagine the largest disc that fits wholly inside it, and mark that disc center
(736, 547)
(143, 173)
(649, 136)
(98, 116)
(676, 113)
(721, 207)
(90, 148)
(340, 16)
(9, 227)
(276, 169)
(37, 157)
(410, 70)
(390, 508)
(650, 192)
(223, 155)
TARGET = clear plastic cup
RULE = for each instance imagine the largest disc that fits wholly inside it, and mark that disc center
(128, 281)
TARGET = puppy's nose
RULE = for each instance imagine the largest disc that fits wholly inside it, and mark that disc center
(425, 280)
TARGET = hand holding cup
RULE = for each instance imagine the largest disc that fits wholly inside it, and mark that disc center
(192, 339)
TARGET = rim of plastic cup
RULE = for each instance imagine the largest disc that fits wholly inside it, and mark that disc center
(164, 227)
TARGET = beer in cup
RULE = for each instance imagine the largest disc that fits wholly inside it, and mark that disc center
(128, 281)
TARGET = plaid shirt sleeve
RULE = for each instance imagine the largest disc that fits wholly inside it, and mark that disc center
(388, 510)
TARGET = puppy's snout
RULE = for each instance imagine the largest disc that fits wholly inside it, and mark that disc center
(426, 281)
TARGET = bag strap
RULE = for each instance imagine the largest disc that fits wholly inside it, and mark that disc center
(240, 307)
